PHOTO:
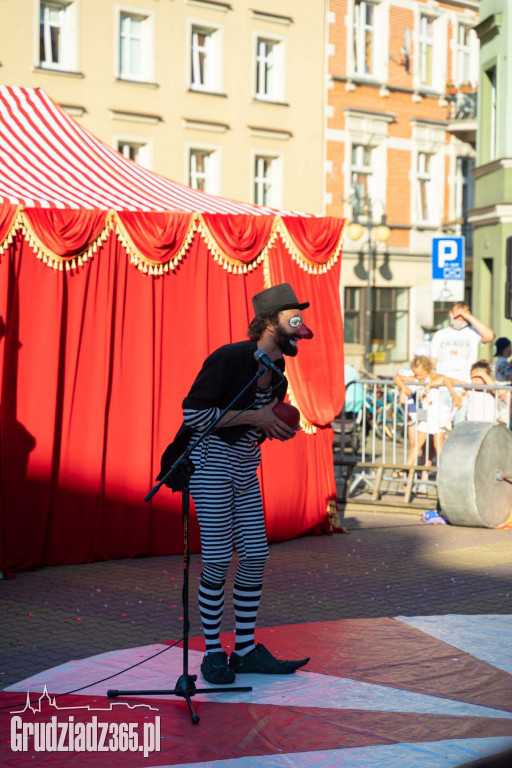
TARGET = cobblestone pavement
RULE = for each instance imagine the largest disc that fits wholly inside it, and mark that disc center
(389, 565)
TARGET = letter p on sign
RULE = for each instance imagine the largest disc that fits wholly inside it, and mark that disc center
(447, 252)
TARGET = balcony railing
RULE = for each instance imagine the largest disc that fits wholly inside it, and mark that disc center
(463, 105)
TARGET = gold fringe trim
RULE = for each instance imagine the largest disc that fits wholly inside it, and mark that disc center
(16, 224)
(333, 516)
(301, 260)
(139, 260)
(227, 262)
(305, 425)
(61, 263)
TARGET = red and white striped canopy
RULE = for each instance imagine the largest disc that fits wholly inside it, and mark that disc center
(49, 161)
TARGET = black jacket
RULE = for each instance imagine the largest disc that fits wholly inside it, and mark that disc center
(224, 374)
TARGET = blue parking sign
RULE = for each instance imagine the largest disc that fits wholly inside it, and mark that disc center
(447, 258)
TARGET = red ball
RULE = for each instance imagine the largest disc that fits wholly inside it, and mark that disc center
(287, 413)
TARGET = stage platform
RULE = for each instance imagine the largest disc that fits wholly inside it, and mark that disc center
(406, 692)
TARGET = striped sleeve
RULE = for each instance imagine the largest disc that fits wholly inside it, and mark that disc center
(200, 419)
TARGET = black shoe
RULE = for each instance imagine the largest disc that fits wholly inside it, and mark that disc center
(214, 668)
(260, 660)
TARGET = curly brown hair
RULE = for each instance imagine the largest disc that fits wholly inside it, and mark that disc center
(260, 322)
(421, 361)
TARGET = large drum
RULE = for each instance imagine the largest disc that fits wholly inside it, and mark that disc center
(475, 475)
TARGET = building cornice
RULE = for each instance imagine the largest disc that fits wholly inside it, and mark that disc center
(205, 125)
(373, 114)
(214, 5)
(75, 110)
(426, 121)
(276, 18)
(135, 117)
(269, 133)
(489, 27)
(492, 167)
(500, 213)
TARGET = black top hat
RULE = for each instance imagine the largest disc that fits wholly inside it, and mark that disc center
(276, 299)
(501, 344)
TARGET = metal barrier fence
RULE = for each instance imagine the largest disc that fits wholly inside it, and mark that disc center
(390, 448)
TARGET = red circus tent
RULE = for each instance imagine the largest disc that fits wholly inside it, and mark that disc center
(115, 283)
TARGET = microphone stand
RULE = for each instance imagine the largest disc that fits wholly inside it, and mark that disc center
(185, 686)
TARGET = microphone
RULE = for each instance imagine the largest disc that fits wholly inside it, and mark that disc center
(261, 357)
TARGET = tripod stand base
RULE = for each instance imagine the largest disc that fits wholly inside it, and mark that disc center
(185, 687)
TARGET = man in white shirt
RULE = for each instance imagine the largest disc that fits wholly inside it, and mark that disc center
(454, 349)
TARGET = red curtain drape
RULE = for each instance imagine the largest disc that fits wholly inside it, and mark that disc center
(316, 239)
(157, 235)
(7, 214)
(94, 365)
(241, 237)
(65, 232)
(316, 374)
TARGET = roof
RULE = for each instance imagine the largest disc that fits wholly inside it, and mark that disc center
(50, 161)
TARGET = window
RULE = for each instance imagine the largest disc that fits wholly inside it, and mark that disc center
(352, 321)
(363, 37)
(203, 170)
(390, 324)
(426, 50)
(490, 100)
(205, 59)
(269, 69)
(464, 188)
(57, 33)
(135, 44)
(267, 180)
(389, 321)
(423, 187)
(463, 54)
(138, 150)
(361, 176)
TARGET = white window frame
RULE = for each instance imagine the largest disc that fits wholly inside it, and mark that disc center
(368, 130)
(212, 175)
(438, 44)
(147, 58)
(424, 42)
(423, 177)
(380, 42)
(275, 179)
(214, 56)
(277, 63)
(359, 30)
(69, 33)
(463, 55)
(144, 145)
(359, 167)
(469, 51)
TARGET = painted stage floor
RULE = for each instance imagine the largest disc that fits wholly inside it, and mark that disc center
(403, 692)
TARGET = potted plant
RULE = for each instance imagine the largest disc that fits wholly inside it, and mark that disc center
(466, 87)
(451, 89)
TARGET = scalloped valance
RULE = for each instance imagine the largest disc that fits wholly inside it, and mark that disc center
(156, 241)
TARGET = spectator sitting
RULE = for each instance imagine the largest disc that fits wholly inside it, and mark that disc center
(433, 415)
(502, 366)
(486, 405)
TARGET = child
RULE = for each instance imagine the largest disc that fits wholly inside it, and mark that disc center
(433, 416)
(483, 405)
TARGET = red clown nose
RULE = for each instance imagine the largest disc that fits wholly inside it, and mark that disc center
(303, 332)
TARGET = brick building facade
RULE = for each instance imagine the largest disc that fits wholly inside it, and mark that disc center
(400, 147)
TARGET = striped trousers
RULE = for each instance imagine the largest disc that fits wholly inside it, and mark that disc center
(227, 498)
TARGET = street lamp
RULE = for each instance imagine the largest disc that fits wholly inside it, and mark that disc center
(376, 233)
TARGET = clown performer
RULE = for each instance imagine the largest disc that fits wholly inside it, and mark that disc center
(224, 485)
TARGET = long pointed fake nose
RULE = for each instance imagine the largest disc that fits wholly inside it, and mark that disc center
(303, 332)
